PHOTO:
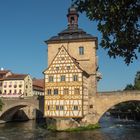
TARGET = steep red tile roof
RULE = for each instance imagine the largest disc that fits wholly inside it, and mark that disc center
(38, 84)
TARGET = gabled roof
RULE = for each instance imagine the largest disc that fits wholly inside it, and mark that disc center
(16, 77)
(72, 59)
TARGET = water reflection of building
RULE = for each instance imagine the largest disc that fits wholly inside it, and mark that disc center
(70, 79)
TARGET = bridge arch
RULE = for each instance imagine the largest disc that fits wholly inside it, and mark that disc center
(108, 108)
(105, 101)
(30, 107)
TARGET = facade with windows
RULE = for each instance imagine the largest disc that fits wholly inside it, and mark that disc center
(64, 87)
(3, 74)
(17, 85)
(71, 77)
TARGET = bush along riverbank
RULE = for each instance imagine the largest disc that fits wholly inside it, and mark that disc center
(84, 128)
(67, 125)
(80, 128)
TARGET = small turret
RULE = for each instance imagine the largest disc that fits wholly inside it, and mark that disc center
(72, 17)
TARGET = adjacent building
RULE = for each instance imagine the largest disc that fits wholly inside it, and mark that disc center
(3, 74)
(38, 87)
(71, 77)
(17, 85)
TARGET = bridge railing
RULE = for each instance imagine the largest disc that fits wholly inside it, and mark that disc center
(118, 92)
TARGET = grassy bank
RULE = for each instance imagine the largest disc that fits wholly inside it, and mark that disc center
(81, 128)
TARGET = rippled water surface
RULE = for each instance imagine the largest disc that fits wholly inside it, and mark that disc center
(112, 129)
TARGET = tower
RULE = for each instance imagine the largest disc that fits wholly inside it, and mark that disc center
(70, 79)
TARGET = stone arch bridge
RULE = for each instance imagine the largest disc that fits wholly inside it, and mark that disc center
(32, 107)
(99, 104)
(103, 101)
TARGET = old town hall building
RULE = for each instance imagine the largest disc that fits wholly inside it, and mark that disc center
(71, 76)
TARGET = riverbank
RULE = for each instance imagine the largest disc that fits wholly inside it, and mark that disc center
(111, 129)
(81, 128)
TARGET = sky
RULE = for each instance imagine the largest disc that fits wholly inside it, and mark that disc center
(26, 24)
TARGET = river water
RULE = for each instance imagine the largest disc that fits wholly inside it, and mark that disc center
(111, 129)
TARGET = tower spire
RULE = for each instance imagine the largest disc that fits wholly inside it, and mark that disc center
(72, 17)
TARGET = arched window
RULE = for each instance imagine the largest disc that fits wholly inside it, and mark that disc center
(72, 20)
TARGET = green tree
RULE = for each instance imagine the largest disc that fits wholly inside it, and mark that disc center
(129, 87)
(137, 81)
(118, 21)
(131, 106)
(136, 85)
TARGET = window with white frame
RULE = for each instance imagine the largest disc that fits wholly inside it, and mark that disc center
(49, 91)
(56, 91)
(81, 50)
(50, 78)
(63, 78)
(75, 77)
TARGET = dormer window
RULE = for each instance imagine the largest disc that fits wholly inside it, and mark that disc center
(81, 50)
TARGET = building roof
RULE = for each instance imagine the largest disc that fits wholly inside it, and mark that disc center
(16, 77)
(38, 84)
(3, 74)
(4, 71)
(72, 32)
